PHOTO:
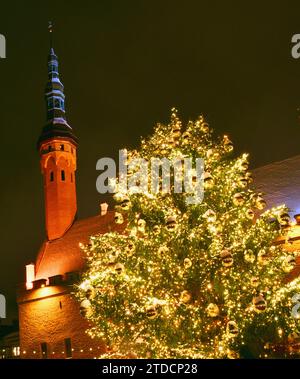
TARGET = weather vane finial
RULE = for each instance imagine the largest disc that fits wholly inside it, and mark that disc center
(50, 29)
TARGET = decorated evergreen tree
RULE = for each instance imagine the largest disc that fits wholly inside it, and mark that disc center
(192, 280)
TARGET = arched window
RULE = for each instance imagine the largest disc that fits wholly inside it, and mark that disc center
(62, 147)
(56, 103)
(51, 176)
(63, 176)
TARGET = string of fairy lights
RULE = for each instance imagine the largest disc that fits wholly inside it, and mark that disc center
(79, 351)
(192, 280)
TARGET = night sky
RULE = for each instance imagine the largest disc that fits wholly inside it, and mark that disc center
(124, 64)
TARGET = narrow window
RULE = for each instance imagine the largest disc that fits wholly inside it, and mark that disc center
(54, 68)
(68, 347)
(51, 176)
(60, 305)
(62, 147)
(56, 103)
(49, 148)
(44, 349)
(50, 103)
(63, 177)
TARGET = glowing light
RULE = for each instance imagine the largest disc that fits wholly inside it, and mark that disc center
(30, 276)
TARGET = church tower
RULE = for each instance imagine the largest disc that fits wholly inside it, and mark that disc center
(51, 324)
(57, 147)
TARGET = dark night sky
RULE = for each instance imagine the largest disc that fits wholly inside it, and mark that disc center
(124, 64)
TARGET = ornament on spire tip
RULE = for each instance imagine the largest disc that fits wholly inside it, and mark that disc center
(50, 30)
(50, 26)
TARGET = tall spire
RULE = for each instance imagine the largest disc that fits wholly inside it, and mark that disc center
(56, 122)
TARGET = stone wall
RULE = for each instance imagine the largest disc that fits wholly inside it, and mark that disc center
(50, 315)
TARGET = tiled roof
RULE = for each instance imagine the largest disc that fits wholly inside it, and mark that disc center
(64, 254)
(280, 181)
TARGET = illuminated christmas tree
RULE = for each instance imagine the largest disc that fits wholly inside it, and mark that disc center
(191, 280)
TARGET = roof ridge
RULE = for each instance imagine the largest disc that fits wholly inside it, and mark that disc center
(91, 217)
(276, 162)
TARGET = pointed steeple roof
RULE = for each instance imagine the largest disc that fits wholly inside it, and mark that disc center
(56, 122)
